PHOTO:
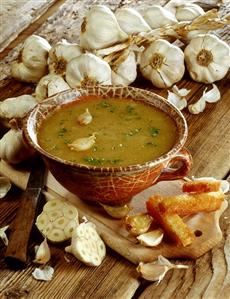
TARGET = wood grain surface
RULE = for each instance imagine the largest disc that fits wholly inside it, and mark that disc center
(209, 134)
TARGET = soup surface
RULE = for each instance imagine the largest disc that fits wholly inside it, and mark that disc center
(127, 132)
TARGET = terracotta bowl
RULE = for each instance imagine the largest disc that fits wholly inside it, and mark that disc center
(111, 185)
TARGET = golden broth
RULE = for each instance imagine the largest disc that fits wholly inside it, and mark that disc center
(127, 132)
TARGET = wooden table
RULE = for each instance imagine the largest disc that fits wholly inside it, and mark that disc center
(209, 142)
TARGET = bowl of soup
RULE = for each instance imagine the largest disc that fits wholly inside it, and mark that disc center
(105, 144)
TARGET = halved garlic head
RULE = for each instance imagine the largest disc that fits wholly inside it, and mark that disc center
(151, 238)
(137, 224)
(85, 118)
(5, 186)
(117, 212)
(83, 144)
(188, 12)
(157, 16)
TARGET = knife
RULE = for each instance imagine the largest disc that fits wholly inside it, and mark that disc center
(16, 252)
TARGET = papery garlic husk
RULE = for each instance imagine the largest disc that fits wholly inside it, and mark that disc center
(125, 72)
(3, 235)
(42, 255)
(17, 107)
(151, 238)
(207, 58)
(131, 21)
(179, 102)
(188, 12)
(5, 186)
(60, 54)
(22, 73)
(83, 144)
(44, 274)
(224, 184)
(117, 212)
(157, 16)
(13, 148)
(85, 118)
(88, 69)
(162, 63)
(100, 29)
(50, 85)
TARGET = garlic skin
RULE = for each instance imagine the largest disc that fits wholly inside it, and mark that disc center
(100, 29)
(60, 54)
(88, 69)
(17, 107)
(188, 12)
(44, 274)
(32, 61)
(3, 235)
(42, 255)
(50, 85)
(5, 186)
(131, 21)
(83, 144)
(85, 118)
(162, 63)
(207, 58)
(157, 16)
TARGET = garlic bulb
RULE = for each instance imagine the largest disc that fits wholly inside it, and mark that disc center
(32, 61)
(188, 12)
(100, 29)
(162, 63)
(17, 107)
(13, 149)
(207, 58)
(157, 16)
(50, 85)
(88, 69)
(131, 21)
(125, 72)
(60, 54)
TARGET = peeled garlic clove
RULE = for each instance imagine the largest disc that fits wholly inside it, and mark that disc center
(88, 69)
(50, 85)
(60, 54)
(188, 12)
(182, 92)
(176, 100)
(42, 255)
(117, 212)
(5, 186)
(45, 274)
(197, 107)
(3, 235)
(137, 224)
(85, 118)
(212, 95)
(22, 73)
(157, 16)
(131, 21)
(82, 144)
(100, 29)
(152, 238)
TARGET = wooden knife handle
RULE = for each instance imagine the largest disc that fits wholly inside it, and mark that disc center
(16, 252)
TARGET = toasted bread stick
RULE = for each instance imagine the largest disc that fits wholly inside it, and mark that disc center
(201, 186)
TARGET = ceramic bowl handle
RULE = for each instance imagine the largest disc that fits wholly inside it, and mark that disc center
(169, 173)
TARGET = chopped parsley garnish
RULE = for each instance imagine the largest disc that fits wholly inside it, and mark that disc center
(101, 161)
(61, 132)
(154, 131)
(133, 132)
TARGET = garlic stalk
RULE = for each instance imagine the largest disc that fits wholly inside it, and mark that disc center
(88, 69)
(3, 235)
(188, 12)
(131, 21)
(60, 54)
(83, 144)
(157, 16)
(5, 186)
(162, 63)
(32, 60)
(42, 255)
(100, 29)
(44, 274)
(207, 58)
(50, 85)
(85, 118)
(156, 270)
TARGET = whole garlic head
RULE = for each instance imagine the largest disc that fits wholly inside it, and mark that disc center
(100, 29)
(162, 63)
(157, 16)
(207, 58)
(88, 69)
(60, 54)
(188, 12)
(131, 21)
(50, 85)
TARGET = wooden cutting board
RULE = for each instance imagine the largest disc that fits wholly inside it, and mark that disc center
(205, 225)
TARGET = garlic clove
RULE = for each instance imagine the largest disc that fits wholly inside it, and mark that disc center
(3, 235)
(176, 100)
(183, 92)
(44, 274)
(22, 73)
(83, 144)
(224, 184)
(5, 186)
(157, 16)
(188, 12)
(212, 95)
(152, 238)
(42, 255)
(117, 212)
(137, 224)
(100, 29)
(131, 21)
(197, 107)
(85, 118)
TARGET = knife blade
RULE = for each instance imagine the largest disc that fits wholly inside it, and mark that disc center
(16, 252)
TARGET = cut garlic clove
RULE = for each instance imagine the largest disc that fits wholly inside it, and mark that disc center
(176, 100)
(42, 255)
(183, 92)
(3, 235)
(152, 238)
(212, 95)
(56, 235)
(85, 118)
(137, 224)
(117, 212)
(45, 274)
(82, 144)
(5, 186)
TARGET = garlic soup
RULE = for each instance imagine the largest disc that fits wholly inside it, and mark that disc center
(122, 132)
